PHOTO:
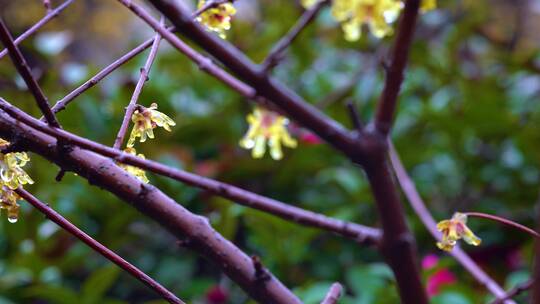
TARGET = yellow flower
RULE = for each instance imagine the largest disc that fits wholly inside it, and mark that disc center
(11, 172)
(266, 126)
(455, 229)
(136, 171)
(217, 19)
(145, 121)
(8, 201)
(428, 5)
(378, 15)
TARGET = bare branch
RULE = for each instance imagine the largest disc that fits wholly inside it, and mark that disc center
(196, 230)
(38, 25)
(394, 76)
(137, 92)
(333, 294)
(357, 232)
(26, 74)
(277, 51)
(416, 202)
(98, 247)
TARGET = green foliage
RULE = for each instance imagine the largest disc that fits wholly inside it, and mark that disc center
(467, 131)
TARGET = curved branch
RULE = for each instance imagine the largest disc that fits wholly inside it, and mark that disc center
(423, 213)
(195, 230)
(98, 247)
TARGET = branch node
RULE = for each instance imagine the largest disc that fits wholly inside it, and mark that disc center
(261, 274)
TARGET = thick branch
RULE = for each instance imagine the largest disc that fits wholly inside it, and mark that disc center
(277, 51)
(357, 232)
(416, 202)
(137, 92)
(195, 230)
(38, 25)
(98, 247)
(24, 70)
(394, 77)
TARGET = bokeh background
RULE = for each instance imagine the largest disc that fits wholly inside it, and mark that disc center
(467, 131)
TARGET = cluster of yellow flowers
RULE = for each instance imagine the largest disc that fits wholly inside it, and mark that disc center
(267, 126)
(378, 15)
(454, 229)
(145, 120)
(12, 176)
(217, 19)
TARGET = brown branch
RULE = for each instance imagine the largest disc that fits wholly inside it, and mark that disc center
(394, 77)
(504, 221)
(333, 294)
(24, 70)
(208, 5)
(98, 247)
(196, 230)
(276, 53)
(137, 92)
(357, 232)
(419, 207)
(38, 25)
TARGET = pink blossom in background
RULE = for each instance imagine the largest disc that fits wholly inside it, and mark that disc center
(438, 279)
(310, 138)
(217, 295)
(430, 261)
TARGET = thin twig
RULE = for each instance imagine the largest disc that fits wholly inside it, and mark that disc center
(62, 103)
(419, 207)
(137, 92)
(333, 294)
(394, 77)
(515, 291)
(504, 221)
(279, 48)
(38, 25)
(98, 247)
(357, 232)
(208, 5)
(24, 70)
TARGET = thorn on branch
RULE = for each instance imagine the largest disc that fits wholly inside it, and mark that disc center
(261, 274)
(60, 175)
(355, 117)
(47, 5)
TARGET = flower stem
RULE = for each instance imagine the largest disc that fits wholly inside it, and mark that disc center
(504, 221)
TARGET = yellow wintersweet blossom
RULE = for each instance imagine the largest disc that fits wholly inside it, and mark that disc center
(136, 171)
(145, 120)
(11, 172)
(378, 15)
(217, 19)
(12, 176)
(455, 229)
(8, 201)
(267, 126)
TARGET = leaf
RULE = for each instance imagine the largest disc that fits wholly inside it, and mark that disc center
(98, 283)
(54, 294)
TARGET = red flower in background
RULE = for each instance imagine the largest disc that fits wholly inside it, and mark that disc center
(439, 278)
(217, 295)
